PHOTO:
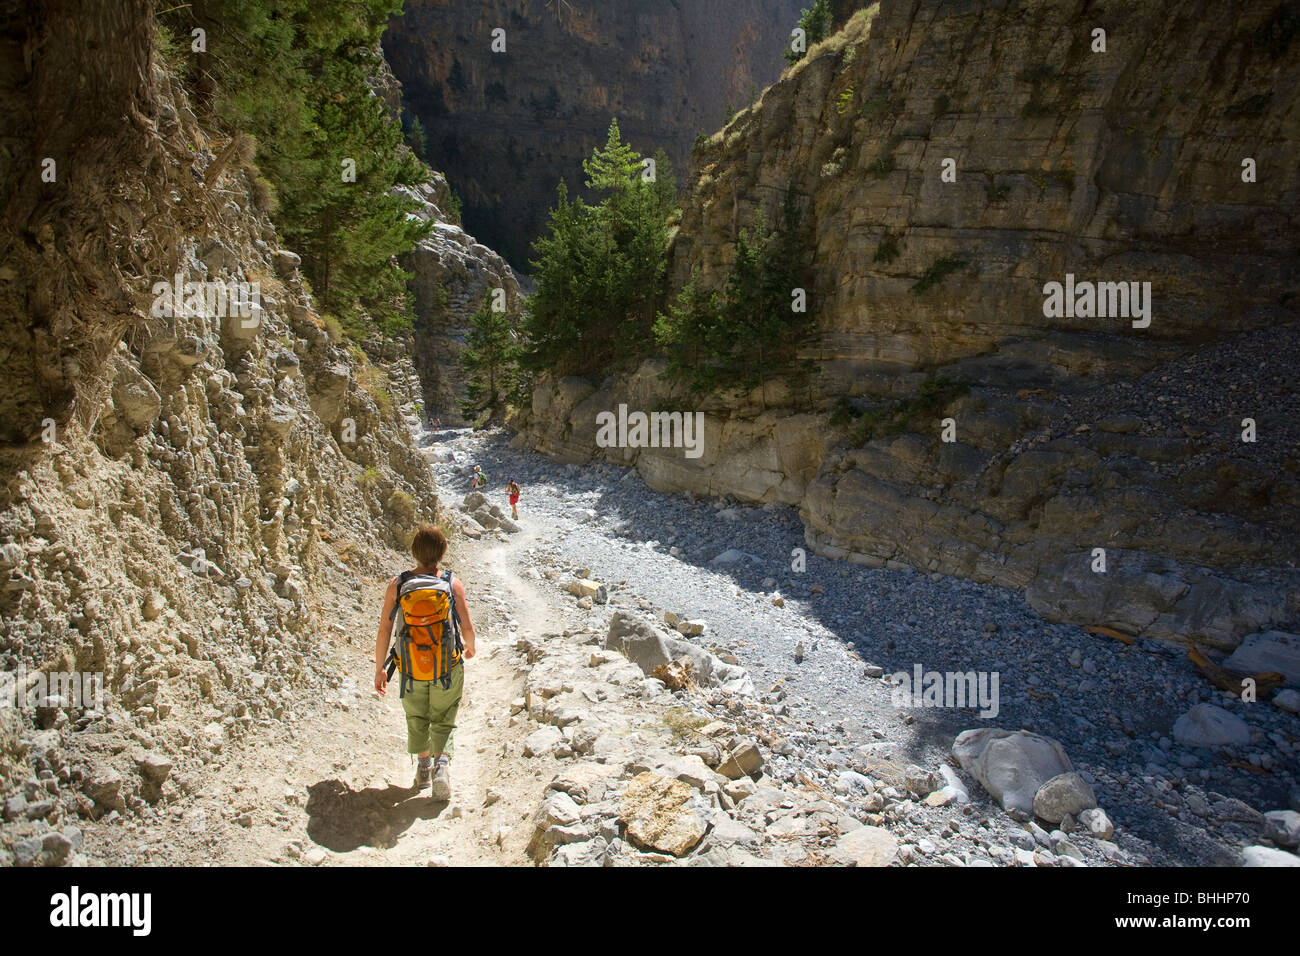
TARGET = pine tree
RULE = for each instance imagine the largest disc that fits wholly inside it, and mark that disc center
(292, 75)
(816, 24)
(748, 333)
(488, 359)
(600, 268)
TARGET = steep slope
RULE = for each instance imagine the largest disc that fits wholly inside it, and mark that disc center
(507, 126)
(186, 495)
(1071, 433)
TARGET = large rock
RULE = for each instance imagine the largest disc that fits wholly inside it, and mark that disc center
(1268, 652)
(659, 814)
(638, 640)
(866, 846)
(1066, 794)
(1010, 766)
(1283, 827)
(1255, 856)
(1206, 725)
(745, 760)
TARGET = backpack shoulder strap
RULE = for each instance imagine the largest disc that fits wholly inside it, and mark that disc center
(455, 614)
(397, 599)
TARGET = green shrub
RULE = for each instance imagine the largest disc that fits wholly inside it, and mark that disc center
(939, 270)
(887, 249)
(913, 415)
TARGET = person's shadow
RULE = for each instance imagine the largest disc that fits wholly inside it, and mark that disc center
(341, 819)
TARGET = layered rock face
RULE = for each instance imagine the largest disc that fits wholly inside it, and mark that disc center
(452, 276)
(1072, 432)
(181, 488)
(507, 126)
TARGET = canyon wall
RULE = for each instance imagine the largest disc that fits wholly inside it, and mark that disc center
(1071, 433)
(506, 127)
(183, 494)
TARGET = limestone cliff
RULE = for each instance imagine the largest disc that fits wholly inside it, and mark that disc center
(507, 126)
(183, 491)
(452, 275)
(1071, 433)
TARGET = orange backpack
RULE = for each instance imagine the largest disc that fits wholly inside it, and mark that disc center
(427, 645)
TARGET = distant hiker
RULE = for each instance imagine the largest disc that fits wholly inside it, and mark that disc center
(513, 490)
(434, 638)
(480, 479)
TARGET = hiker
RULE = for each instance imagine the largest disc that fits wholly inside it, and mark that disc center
(435, 636)
(480, 479)
(513, 490)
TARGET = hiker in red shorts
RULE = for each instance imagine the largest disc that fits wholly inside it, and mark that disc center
(513, 490)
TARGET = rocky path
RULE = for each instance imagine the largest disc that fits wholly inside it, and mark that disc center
(330, 784)
(573, 749)
(820, 639)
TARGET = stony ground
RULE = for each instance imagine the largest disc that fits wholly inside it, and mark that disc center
(570, 753)
(821, 642)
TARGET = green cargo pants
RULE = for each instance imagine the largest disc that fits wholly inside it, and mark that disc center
(431, 713)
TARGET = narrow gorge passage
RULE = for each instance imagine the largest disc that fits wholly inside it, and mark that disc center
(824, 655)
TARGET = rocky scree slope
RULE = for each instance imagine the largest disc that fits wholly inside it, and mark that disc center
(1071, 433)
(209, 484)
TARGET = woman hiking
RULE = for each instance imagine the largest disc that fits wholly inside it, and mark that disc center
(513, 490)
(430, 705)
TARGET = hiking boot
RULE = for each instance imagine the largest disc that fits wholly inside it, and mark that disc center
(423, 773)
(442, 780)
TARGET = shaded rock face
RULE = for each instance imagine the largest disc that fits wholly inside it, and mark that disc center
(452, 275)
(506, 127)
(206, 474)
(1070, 433)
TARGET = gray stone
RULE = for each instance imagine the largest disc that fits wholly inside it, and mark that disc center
(1255, 856)
(1067, 794)
(542, 741)
(1268, 652)
(1206, 725)
(1097, 823)
(15, 807)
(920, 781)
(743, 761)
(638, 641)
(1287, 699)
(27, 851)
(1010, 766)
(104, 786)
(1283, 827)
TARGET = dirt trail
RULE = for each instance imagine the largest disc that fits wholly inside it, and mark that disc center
(337, 788)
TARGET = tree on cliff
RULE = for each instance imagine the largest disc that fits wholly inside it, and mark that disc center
(489, 360)
(815, 21)
(599, 267)
(293, 75)
(748, 333)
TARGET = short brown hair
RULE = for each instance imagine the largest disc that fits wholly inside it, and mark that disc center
(429, 545)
